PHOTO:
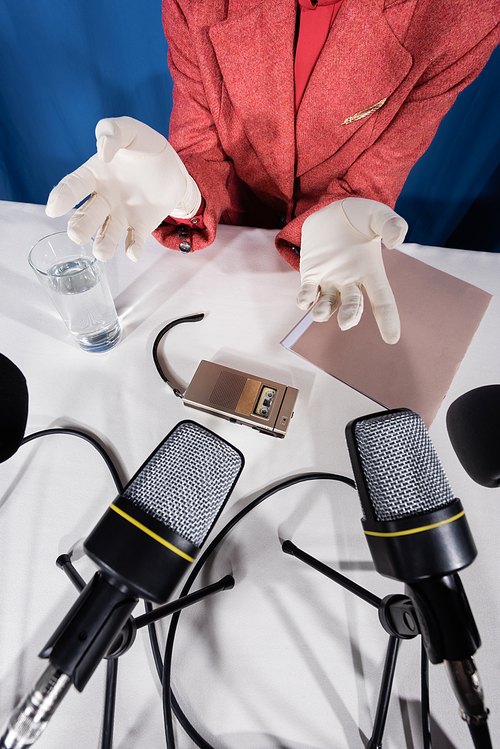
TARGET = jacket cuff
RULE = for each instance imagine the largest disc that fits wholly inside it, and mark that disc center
(289, 239)
(195, 222)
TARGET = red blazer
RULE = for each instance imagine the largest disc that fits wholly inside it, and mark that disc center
(388, 73)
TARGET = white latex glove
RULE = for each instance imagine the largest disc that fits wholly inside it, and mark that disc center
(341, 252)
(135, 180)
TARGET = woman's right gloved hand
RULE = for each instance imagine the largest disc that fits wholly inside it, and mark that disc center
(134, 181)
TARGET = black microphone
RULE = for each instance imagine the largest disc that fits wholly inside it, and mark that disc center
(13, 407)
(473, 423)
(418, 534)
(143, 545)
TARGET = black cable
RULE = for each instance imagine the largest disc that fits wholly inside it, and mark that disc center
(163, 331)
(153, 641)
(87, 438)
(170, 703)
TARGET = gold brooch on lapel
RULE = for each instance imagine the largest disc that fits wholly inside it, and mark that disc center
(364, 112)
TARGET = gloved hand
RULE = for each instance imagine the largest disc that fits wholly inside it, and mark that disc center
(341, 252)
(135, 180)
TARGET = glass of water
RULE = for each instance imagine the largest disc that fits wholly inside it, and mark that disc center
(76, 282)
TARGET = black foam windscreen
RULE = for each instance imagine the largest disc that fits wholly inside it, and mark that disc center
(473, 423)
(402, 471)
(185, 482)
(13, 407)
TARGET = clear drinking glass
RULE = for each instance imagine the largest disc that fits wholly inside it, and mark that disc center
(76, 282)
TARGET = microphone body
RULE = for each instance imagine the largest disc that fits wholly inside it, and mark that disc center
(143, 545)
(89, 629)
(416, 529)
(418, 534)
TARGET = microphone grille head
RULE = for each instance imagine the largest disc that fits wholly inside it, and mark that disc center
(186, 481)
(401, 470)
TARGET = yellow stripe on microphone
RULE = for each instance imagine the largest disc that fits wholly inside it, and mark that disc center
(415, 530)
(151, 533)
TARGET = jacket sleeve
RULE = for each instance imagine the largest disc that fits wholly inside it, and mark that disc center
(379, 173)
(192, 131)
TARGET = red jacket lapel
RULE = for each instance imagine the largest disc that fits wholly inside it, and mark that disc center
(354, 73)
(254, 50)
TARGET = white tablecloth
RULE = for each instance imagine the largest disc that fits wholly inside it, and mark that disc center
(287, 658)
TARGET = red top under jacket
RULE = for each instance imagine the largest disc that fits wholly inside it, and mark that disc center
(315, 21)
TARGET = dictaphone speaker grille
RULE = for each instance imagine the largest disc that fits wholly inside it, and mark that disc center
(227, 390)
(402, 471)
(187, 480)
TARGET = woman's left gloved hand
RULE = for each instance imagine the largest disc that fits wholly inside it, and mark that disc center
(341, 252)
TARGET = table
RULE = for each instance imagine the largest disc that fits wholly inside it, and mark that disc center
(286, 658)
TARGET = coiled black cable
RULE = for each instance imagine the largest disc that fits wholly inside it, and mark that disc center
(170, 703)
(77, 433)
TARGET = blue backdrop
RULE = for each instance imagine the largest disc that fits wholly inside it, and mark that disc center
(64, 64)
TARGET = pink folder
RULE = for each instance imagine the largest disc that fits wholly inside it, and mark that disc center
(439, 317)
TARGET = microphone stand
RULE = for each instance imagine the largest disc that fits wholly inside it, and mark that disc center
(397, 616)
(126, 638)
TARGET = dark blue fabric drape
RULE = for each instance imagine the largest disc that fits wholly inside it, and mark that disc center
(64, 64)
(452, 194)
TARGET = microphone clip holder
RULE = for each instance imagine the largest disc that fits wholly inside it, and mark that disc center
(120, 644)
(397, 616)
